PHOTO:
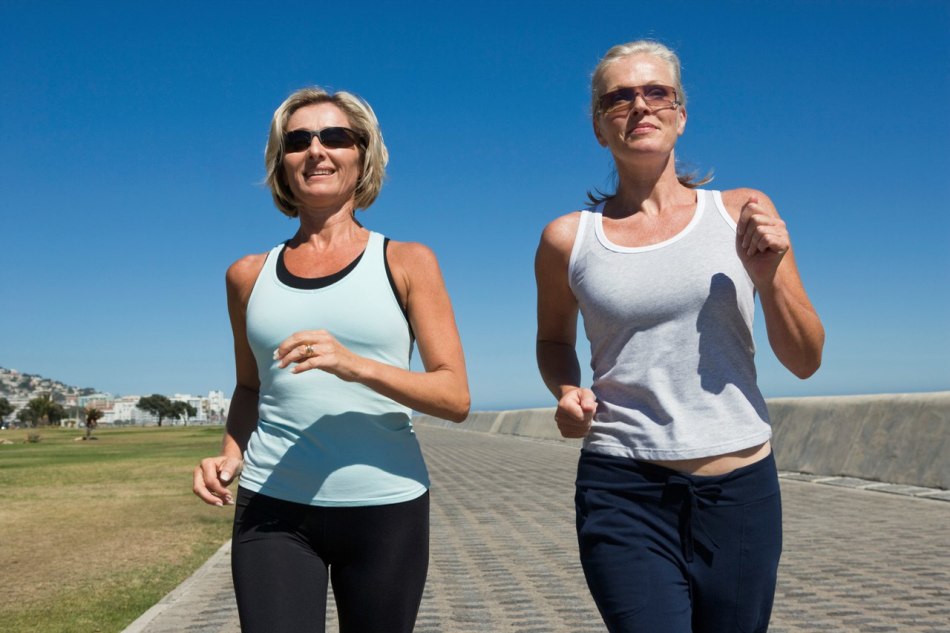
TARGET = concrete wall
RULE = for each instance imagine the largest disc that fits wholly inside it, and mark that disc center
(899, 438)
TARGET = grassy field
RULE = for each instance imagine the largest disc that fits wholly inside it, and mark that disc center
(93, 533)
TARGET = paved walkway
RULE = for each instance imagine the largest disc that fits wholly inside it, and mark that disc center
(503, 554)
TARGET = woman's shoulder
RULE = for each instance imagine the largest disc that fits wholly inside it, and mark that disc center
(561, 231)
(411, 261)
(242, 274)
(410, 253)
(735, 199)
(415, 271)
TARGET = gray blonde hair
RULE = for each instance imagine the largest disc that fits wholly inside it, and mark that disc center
(662, 52)
(362, 119)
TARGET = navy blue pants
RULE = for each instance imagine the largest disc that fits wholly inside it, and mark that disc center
(665, 552)
(283, 554)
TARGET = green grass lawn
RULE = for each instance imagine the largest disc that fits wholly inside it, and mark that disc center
(93, 533)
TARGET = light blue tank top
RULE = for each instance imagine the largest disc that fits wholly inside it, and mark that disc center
(670, 329)
(321, 440)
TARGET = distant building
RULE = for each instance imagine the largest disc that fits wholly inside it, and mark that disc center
(101, 401)
(196, 403)
(125, 411)
(210, 409)
(218, 405)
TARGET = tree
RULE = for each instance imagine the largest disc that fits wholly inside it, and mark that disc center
(93, 415)
(182, 410)
(42, 410)
(24, 417)
(5, 409)
(158, 405)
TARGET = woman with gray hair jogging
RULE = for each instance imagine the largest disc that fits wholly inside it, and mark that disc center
(333, 487)
(677, 495)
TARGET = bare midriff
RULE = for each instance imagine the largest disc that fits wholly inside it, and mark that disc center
(717, 464)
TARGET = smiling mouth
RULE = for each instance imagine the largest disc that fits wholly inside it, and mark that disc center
(318, 172)
(641, 128)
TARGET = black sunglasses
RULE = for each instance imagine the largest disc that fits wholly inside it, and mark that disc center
(330, 137)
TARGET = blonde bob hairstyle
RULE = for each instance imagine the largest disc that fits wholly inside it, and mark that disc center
(362, 119)
(653, 49)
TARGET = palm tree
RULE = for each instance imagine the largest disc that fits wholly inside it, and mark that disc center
(44, 410)
(93, 415)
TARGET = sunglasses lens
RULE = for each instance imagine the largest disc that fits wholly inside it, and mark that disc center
(297, 141)
(337, 137)
(616, 99)
(657, 94)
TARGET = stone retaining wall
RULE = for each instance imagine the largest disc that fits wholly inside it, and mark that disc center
(895, 438)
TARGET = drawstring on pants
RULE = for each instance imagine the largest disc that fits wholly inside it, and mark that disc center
(695, 496)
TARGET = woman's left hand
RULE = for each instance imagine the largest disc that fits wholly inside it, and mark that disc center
(762, 243)
(317, 349)
(761, 240)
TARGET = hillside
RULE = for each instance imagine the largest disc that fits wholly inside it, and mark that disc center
(19, 386)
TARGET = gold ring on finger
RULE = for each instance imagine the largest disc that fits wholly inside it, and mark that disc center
(308, 350)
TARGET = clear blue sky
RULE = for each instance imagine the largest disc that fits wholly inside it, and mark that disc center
(133, 135)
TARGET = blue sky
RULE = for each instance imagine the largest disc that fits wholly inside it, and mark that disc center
(133, 135)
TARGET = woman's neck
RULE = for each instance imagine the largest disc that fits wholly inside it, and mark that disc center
(647, 187)
(320, 228)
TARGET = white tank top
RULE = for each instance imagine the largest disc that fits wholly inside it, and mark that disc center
(670, 329)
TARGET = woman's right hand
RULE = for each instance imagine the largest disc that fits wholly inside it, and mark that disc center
(212, 478)
(575, 412)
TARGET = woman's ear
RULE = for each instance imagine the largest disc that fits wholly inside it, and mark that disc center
(597, 134)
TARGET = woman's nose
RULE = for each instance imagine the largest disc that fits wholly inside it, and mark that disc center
(639, 103)
(315, 149)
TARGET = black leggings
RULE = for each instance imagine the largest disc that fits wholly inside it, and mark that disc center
(284, 553)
